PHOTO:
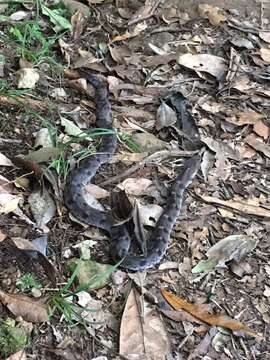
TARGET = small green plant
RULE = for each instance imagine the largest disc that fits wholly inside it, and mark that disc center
(5, 90)
(12, 338)
(28, 282)
(62, 301)
(129, 142)
(33, 44)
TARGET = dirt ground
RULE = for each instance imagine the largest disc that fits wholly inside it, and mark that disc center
(228, 100)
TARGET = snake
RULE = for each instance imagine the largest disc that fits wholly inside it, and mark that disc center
(75, 194)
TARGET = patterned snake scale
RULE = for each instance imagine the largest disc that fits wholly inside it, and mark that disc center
(75, 195)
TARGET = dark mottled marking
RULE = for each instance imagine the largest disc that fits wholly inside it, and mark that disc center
(159, 252)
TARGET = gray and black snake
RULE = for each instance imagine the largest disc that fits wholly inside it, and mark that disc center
(75, 194)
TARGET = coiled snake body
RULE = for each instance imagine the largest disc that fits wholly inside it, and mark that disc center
(75, 194)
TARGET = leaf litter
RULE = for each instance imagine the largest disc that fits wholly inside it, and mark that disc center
(175, 82)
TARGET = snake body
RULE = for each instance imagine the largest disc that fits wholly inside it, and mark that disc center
(75, 194)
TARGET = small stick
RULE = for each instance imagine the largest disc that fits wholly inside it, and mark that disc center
(159, 155)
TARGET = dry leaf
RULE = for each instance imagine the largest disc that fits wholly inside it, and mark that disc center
(265, 36)
(220, 147)
(4, 161)
(2, 236)
(166, 116)
(212, 13)
(149, 142)
(78, 23)
(144, 12)
(233, 247)
(42, 206)
(20, 355)
(261, 129)
(43, 155)
(257, 144)
(8, 203)
(24, 306)
(211, 64)
(136, 31)
(214, 320)
(96, 191)
(135, 186)
(142, 338)
(34, 250)
(43, 138)
(265, 55)
(120, 53)
(27, 78)
(238, 206)
(150, 213)
(245, 117)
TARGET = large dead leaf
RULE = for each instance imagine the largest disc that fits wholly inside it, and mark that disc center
(8, 203)
(42, 206)
(265, 55)
(33, 250)
(265, 36)
(261, 129)
(257, 144)
(211, 64)
(245, 117)
(27, 78)
(142, 338)
(216, 320)
(212, 13)
(135, 186)
(232, 247)
(166, 116)
(4, 161)
(149, 142)
(24, 306)
(238, 205)
(127, 35)
(220, 147)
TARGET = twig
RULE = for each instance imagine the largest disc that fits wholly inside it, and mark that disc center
(27, 102)
(157, 156)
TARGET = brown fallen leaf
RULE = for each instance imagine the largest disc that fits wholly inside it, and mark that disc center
(29, 249)
(20, 355)
(238, 206)
(127, 35)
(211, 64)
(42, 206)
(119, 53)
(265, 55)
(166, 116)
(78, 23)
(135, 186)
(245, 117)
(261, 129)
(27, 78)
(142, 337)
(21, 305)
(257, 144)
(2, 236)
(265, 36)
(212, 13)
(214, 320)
(232, 247)
(4, 161)
(203, 347)
(145, 11)
(220, 147)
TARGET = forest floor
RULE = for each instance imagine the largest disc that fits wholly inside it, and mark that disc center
(61, 296)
